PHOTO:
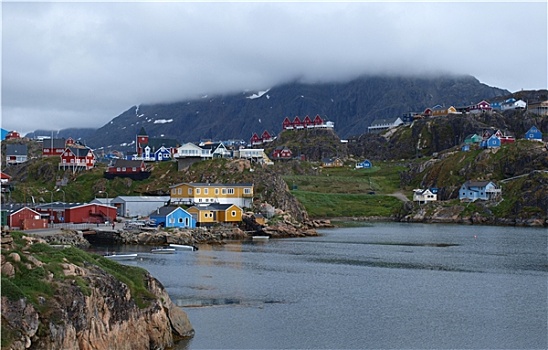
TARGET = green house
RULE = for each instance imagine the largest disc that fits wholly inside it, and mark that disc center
(472, 138)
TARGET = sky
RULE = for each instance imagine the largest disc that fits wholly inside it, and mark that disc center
(81, 64)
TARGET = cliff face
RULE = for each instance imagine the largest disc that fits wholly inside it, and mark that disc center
(88, 308)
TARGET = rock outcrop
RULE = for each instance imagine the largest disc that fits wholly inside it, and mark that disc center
(102, 312)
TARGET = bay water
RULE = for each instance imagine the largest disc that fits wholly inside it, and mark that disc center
(377, 286)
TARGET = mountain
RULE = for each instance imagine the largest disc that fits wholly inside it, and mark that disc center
(75, 133)
(351, 105)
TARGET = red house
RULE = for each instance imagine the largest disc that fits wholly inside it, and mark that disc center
(26, 219)
(266, 137)
(255, 140)
(134, 169)
(77, 159)
(287, 124)
(282, 152)
(307, 122)
(480, 107)
(297, 123)
(53, 147)
(427, 112)
(318, 120)
(90, 213)
(13, 135)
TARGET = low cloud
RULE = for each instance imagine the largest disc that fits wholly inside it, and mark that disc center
(82, 64)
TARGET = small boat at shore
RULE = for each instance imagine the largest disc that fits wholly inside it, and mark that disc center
(163, 250)
(260, 238)
(183, 247)
(115, 256)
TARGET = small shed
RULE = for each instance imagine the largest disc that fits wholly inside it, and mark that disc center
(533, 134)
(364, 164)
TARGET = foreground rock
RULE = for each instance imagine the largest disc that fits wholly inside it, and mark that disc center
(88, 308)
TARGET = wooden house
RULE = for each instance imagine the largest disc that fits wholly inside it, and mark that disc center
(12, 135)
(297, 123)
(266, 137)
(442, 111)
(216, 214)
(162, 154)
(482, 190)
(540, 107)
(77, 159)
(146, 147)
(25, 218)
(287, 124)
(480, 107)
(134, 169)
(16, 154)
(192, 193)
(318, 121)
(172, 216)
(53, 147)
(379, 125)
(472, 139)
(427, 113)
(215, 150)
(90, 213)
(533, 134)
(281, 152)
(191, 150)
(491, 142)
(307, 122)
(255, 140)
(364, 164)
(423, 196)
(332, 162)
(512, 103)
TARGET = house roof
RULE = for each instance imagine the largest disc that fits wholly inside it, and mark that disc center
(215, 207)
(57, 143)
(142, 132)
(127, 163)
(79, 151)
(16, 149)
(205, 184)
(140, 199)
(155, 143)
(472, 183)
(165, 210)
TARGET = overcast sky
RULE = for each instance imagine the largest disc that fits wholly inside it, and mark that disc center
(82, 64)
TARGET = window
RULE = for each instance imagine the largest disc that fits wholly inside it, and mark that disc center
(197, 191)
(223, 191)
(123, 168)
(179, 191)
(180, 220)
(173, 191)
(206, 190)
(230, 190)
(134, 169)
(216, 191)
(118, 169)
(190, 191)
(247, 190)
(233, 213)
(186, 222)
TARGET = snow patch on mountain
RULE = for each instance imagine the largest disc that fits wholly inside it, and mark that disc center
(163, 121)
(258, 94)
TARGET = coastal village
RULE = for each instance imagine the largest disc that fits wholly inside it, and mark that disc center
(191, 205)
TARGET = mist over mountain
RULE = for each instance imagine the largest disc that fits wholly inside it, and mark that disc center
(351, 105)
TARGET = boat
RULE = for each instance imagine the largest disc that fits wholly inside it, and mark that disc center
(163, 250)
(184, 247)
(115, 256)
(260, 238)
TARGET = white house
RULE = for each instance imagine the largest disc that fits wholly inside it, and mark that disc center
(511, 103)
(484, 190)
(424, 196)
(379, 125)
(190, 150)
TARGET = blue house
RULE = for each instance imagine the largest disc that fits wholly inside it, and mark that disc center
(491, 142)
(533, 134)
(365, 164)
(483, 190)
(172, 216)
(162, 154)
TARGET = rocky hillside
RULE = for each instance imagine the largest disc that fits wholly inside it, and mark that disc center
(351, 105)
(427, 136)
(111, 306)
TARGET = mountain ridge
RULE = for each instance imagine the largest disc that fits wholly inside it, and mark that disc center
(351, 105)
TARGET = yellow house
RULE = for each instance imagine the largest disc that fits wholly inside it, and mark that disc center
(443, 111)
(216, 213)
(191, 193)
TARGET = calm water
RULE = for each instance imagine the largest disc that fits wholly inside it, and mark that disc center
(380, 286)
